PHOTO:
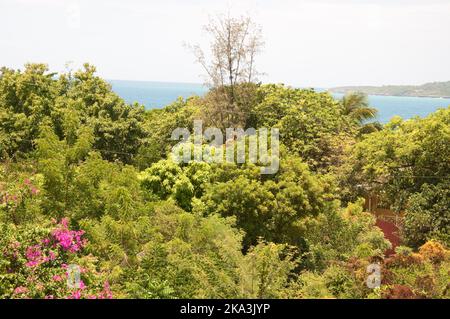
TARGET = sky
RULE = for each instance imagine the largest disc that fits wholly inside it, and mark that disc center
(314, 43)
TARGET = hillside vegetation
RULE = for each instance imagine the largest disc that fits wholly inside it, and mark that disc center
(88, 180)
(434, 89)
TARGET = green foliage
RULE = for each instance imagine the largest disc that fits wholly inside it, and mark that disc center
(267, 267)
(26, 99)
(33, 264)
(159, 124)
(270, 209)
(428, 215)
(338, 234)
(407, 165)
(356, 105)
(418, 275)
(20, 195)
(143, 226)
(33, 98)
(404, 156)
(166, 179)
(184, 255)
(312, 125)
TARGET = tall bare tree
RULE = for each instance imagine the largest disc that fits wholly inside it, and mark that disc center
(230, 68)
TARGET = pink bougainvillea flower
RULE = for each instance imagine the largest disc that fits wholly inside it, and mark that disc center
(106, 293)
(51, 256)
(34, 256)
(69, 240)
(57, 278)
(34, 190)
(65, 222)
(76, 295)
(20, 290)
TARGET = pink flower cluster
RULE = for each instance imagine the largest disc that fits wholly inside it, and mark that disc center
(69, 240)
(62, 237)
(20, 290)
(23, 191)
(31, 187)
(104, 294)
(35, 256)
(51, 248)
(8, 198)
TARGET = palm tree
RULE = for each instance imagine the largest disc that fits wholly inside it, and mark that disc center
(356, 106)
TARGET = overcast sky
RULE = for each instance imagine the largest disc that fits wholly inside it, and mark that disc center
(320, 43)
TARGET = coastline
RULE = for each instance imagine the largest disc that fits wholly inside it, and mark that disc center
(390, 94)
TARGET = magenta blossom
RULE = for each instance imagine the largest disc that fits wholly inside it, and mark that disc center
(75, 295)
(106, 293)
(69, 240)
(34, 190)
(34, 256)
(20, 290)
(51, 256)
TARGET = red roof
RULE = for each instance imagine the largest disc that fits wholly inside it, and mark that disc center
(391, 232)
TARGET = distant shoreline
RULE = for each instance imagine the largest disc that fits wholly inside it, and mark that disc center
(387, 94)
(369, 90)
(440, 90)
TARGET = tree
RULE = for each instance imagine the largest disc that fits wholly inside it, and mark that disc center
(428, 216)
(159, 125)
(211, 230)
(26, 99)
(167, 252)
(118, 127)
(356, 105)
(338, 234)
(398, 160)
(230, 68)
(266, 270)
(33, 98)
(312, 124)
(271, 209)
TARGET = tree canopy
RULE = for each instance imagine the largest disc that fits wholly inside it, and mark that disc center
(88, 179)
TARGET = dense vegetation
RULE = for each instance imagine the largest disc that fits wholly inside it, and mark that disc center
(434, 89)
(86, 179)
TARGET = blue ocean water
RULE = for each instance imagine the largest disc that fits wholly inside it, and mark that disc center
(160, 94)
(404, 106)
(155, 94)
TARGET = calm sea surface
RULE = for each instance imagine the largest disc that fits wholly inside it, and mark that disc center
(159, 94)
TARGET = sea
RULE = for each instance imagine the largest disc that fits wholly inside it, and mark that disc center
(159, 94)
